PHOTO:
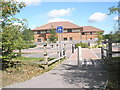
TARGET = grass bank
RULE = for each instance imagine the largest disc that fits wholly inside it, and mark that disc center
(25, 72)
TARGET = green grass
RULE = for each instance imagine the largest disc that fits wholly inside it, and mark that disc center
(31, 59)
(113, 67)
(28, 58)
(116, 59)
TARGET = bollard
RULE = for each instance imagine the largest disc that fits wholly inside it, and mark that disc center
(79, 62)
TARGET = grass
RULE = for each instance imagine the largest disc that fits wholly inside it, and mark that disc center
(31, 59)
(113, 72)
(28, 58)
(0, 79)
(25, 72)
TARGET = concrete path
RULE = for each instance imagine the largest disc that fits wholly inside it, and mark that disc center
(69, 75)
(87, 54)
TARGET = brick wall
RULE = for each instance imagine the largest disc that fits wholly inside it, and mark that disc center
(76, 36)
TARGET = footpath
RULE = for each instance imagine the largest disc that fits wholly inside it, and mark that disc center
(69, 75)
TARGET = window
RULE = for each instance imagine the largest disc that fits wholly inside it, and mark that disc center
(83, 33)
(90, 38)
(39, 40)
(65, 39)
(48, 31)
(69, 30)
(43, 31)
(90, 33)
(38, 32)
(70, 38)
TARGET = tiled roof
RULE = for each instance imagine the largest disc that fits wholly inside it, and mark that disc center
(65, 24)
(91, 28)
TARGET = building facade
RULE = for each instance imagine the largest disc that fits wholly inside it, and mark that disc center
(71, 32)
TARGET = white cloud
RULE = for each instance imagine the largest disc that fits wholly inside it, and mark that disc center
(61, 12)
(97, 17)
(115, 18)
(58, 20)
(30, 2)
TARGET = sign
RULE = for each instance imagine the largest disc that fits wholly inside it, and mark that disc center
(59, 29)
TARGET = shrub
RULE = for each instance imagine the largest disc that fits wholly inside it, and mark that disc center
(32, 45)
(83, 45)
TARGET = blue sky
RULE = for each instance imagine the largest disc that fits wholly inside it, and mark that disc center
(80, 13)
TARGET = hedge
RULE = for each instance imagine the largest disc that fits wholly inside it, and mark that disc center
(83, 45)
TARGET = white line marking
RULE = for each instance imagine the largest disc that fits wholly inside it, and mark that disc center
(94, 53)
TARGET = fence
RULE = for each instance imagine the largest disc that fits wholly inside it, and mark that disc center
(106, 49)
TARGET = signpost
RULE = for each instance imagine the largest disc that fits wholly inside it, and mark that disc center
(60, 31)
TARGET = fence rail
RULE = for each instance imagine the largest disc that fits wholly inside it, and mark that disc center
(106, 53)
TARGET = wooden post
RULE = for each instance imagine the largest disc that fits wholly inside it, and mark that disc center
(79, 56)
(107, 48)
(57, 50)
(110, 49)
(102, 51)
(72, 48)
(64, 50)
(45, 55)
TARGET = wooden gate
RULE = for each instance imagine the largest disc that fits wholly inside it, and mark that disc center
(106, 50)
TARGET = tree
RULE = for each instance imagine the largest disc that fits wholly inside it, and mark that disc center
(114, 9)
(115, 34)
(11, 33)
(9, 8)
(100, 37)
(53, 36)
(27, 35)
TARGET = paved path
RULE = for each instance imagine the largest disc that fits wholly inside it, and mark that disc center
(69, 75)
(87, 54)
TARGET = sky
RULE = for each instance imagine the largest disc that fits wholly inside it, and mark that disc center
(85, 13)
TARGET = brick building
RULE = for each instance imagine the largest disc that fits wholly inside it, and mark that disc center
(71, 32)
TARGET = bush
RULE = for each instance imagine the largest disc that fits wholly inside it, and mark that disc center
(83, 45)
(31, 46)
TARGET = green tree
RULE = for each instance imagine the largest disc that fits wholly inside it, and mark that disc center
(53, 36)
(115, 33)
(27, 35)
(114, 9)
(9, 8)
(11, 33)
(100, 37)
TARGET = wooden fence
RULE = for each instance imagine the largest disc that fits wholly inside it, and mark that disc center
(106, 50)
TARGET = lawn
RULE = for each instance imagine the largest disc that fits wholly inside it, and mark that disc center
(30, 59)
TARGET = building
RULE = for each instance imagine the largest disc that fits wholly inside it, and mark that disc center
(71, 32)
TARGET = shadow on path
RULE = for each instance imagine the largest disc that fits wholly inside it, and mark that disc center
(86, 76)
